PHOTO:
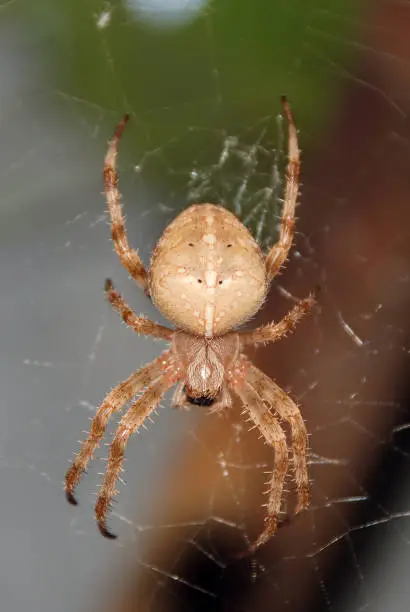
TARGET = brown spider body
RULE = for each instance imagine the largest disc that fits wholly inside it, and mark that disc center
(207, 276)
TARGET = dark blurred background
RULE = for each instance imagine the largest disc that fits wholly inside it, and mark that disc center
(202, 82)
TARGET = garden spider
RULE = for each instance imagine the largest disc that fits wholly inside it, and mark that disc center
(207, 276)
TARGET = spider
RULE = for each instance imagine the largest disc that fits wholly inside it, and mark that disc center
(207, 276)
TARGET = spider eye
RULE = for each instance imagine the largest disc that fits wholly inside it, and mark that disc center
(190, 244)
(199, 280)
(220, 282)
(228, 245)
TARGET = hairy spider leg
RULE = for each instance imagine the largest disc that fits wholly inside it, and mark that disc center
(129, 257)
(130, 422)
(115, 400)
(279, 252)
(272, 332)
(275, 437)
(141, 325)
(286, 408)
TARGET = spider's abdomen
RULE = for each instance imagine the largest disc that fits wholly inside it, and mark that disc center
(207, 272)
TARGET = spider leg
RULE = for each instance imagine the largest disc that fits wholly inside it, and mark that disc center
(141, 325)
(223, 403)
(275, 331)
(130, 422)
(279, 252)
(128, 256)
(115, 400)
(280, 401)
(274, 436)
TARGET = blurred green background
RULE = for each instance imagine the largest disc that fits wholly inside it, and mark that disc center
(224, 67)
(192, 76)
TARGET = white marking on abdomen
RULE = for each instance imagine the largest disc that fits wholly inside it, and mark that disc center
(209, 319)
(210, 282)
(209, 239)
(210, 278)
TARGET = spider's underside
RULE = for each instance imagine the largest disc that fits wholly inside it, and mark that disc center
(207, 276)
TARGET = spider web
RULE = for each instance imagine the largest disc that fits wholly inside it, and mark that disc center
(202, 83)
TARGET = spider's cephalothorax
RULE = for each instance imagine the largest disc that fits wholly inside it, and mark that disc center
(206, 363)
(207, 276)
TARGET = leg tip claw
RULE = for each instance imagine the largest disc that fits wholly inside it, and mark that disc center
(104, 531)
(101, 510)
(70, 498)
